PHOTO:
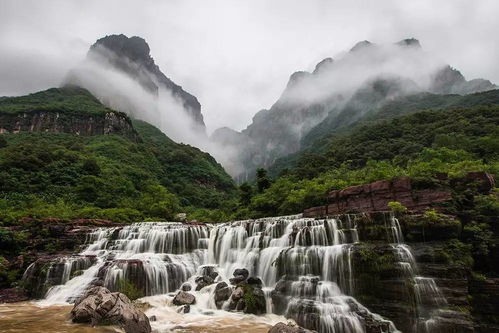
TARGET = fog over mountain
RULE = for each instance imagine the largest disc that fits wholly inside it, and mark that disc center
(231, 59)
(120, 72)
(236, 57)
(340, 91)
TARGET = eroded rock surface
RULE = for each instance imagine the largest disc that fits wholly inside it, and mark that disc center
(100, 306)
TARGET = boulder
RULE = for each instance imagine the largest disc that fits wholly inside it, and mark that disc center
(209, 271)
(237, 280)
(255, 281)
(184, 298)
(222, 293)
(248, 299)
(186, 287)
(184, 309)
(241, 272)
(100, 306)
(203, 281)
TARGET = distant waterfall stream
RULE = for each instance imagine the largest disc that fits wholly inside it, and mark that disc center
(305, 265)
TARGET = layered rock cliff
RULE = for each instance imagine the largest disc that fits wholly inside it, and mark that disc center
(375, 197)
(65, 110)
(60, 122)
(442, 255)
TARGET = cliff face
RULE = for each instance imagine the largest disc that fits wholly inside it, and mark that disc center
(131, 56)
(463, 301)
(374, 197)
(72, 123)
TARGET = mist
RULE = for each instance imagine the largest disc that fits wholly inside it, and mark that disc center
(236, 56)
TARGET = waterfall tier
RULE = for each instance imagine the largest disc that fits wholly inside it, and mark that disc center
(306, 267)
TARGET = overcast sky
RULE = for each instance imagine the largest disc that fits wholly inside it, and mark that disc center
(236, 56)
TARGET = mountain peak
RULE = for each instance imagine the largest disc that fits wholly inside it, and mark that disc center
(410, 42)
(131, 56)
(323, 65)
(135, 48)
(361, 45)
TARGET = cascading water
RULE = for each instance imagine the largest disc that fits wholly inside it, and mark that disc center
(428, 297)
(305, 266)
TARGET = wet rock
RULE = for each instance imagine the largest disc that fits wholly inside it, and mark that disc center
(98, 283)
(153, 318)
(222, 294)
(288, 328)
(279, 296)
(241, 272)
(184, 298)
(184, 309)
(237, 279)
(186, 287)
(255, 281)
(248, 299)
(12, 295)
(100, 306)
(306, 314)
(209, 271)
(203, 281)
(237, 294)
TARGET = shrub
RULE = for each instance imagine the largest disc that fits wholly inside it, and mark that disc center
(397, 207)
(129, 289)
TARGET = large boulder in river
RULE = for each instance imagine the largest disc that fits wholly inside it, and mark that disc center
(184, 298)
(222, 293)
(209, 271)
(248, 299)
(100, 306)
(240, 276)
(203, 281)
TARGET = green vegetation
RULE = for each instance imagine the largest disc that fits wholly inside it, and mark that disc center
(68, 99)
(129, 289)
(66, 176)
(401, 106)
(397, 207)
(420, 145)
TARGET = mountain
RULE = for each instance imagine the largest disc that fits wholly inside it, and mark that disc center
(64, 154)
(120, 71)
(324, 136)
(340, 92)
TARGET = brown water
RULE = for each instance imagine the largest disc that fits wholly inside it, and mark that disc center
(29, 317)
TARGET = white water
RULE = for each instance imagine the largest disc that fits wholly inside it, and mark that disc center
(311, 257)
(428, 296)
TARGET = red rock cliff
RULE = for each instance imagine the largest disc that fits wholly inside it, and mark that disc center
(375, 196)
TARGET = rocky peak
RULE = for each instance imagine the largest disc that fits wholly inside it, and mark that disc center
(323, 65)
(131, 55)
(449, 80)
(409, 42)
(361, 45)
(134, 48)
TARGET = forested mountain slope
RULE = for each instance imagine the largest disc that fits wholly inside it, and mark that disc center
(64, 155)
(322, 137)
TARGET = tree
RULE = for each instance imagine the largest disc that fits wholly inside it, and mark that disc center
(262, 181)
(90, 167)
(157, 201)
(3, 142)
(245, 194)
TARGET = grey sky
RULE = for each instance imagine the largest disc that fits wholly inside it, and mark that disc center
(236, 56)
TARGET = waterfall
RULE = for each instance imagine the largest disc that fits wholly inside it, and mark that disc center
(305, 266)
(428, 296)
